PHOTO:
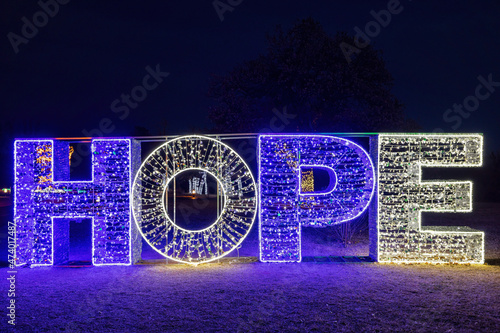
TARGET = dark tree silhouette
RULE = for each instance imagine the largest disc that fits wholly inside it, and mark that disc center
(140, 131)
(305, 71)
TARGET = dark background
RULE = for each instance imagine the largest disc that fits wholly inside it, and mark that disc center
(65, 78)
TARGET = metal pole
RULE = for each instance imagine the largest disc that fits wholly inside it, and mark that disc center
(166, 198)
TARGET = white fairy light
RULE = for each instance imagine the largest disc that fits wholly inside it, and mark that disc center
(403, 196)
(240, 202)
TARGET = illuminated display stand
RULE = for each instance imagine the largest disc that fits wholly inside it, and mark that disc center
(384, 179)
(396, 231)
(288, 199)
(45, 200)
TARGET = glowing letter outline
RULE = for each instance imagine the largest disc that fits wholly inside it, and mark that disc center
(35, 219)
(393, 241)
(282, 214)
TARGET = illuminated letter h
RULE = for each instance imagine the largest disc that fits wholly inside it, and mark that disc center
(44, 200)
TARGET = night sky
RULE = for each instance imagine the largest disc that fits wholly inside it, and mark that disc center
(64, 80)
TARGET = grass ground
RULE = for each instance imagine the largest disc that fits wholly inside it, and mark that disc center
(256, 297)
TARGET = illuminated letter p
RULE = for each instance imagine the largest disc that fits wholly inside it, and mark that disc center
(308, 180)
(403, 196)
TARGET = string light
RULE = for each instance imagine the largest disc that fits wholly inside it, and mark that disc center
(238, 191)
(44, 200)
(286, 204)
(71, 152)
(403, 196)
(307, 175)
(307, 181)
(198, 185)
